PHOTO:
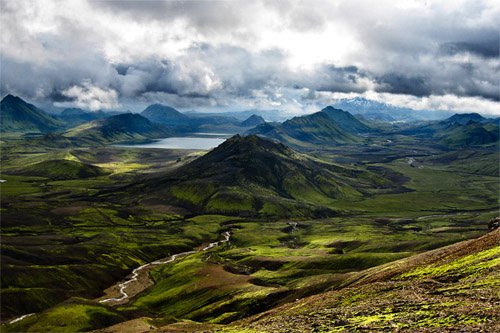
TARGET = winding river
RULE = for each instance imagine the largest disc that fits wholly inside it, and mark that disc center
(139, 280)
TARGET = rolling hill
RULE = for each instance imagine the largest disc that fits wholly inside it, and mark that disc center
(61, 169)
(127, 127)
(18, 116)
(253, 176)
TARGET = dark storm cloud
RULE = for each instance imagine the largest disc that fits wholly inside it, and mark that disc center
(238, 72)
(229, 69)
(206, 15)
(487, 48)
(400, 84)
(337, 79)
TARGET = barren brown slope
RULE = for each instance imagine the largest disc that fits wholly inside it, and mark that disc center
(452, 289)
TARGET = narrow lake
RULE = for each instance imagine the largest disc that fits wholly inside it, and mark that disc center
(202, 143)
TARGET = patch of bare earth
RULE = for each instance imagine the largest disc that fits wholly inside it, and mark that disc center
(130, 326)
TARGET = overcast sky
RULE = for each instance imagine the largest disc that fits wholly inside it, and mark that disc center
(297, 56)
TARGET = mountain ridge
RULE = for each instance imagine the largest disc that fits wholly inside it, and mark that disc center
(460, 130)
(317, 128)
(124, 127)
(17, 115)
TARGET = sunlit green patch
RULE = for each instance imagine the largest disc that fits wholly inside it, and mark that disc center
(230, 202)
(75, 315)
(469, 265)
(122, 167)
(193, 193)
(19, 185)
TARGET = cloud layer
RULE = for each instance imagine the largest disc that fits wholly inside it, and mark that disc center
(292, 55)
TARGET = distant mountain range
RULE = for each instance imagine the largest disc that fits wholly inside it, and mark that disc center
(373, 110)
(330, 125)
(76, 116)
(254, 176)
(267, 115)
(466, 118)
(101, 127)
(193, 122)
(460, 130)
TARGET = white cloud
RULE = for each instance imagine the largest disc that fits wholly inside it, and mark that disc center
(88, 96)
(433, 102)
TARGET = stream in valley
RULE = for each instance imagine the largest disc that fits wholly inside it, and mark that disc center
(140, 280)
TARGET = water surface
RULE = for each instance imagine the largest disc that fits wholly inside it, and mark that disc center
(181, 143)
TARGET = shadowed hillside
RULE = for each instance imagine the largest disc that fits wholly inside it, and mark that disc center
(18, 116)
(120, 128)
(253, 121)
(460, 130)
(164, 115)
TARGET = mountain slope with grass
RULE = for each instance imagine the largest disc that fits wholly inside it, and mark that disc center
(459, 130)
(451, 289)
(346, 121)
(317, 128)
(470, 134)
(18, 116)
(254, 176)
(127, 127)
(465, 118)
